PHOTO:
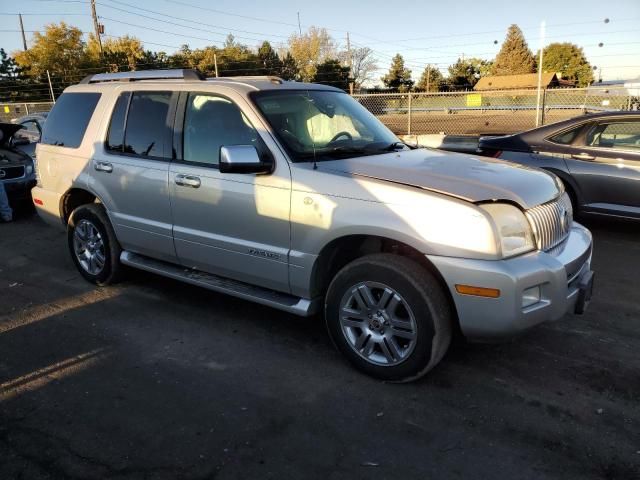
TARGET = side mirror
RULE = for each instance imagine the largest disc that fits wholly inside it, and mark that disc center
(242, 159)
(17, 141)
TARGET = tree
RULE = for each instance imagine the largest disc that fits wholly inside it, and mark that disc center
(60, 50)
(332, 72)
(514, 56)
(399, 77)
(118, 54)
(289, 67)
(569, 61)
(269, 59)
(8, 67)
(311, 49)
(431, 80)
(363, 65)
(465, 73)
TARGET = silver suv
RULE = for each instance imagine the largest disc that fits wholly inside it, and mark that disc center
(293, 195)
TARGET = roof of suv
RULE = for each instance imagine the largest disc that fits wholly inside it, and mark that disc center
(192, 77)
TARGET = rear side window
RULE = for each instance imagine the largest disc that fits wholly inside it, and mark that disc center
(147, 133)
(567, 137)
(69, 118)
(115, 137)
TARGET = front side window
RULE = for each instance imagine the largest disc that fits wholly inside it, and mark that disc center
(147, 131)
(324, 125)
(211, 122)
(620, 135)
(69, 118)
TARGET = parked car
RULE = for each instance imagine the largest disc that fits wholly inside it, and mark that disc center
(597, 156)
(293, 195)
(16, 167)
(30, 135)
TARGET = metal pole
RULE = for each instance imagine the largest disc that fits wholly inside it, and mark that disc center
(544, 102)
(428, 76)
(24, 39)
(409, 115)
(350, 64)
(215, 63)
(53, 99)
(299, 26)
(96, 25)
(542, 27)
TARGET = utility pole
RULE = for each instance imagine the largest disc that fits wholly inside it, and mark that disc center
(215, 63)
(350, 65)
(428, 76)
(299, 26)
(24, 39)
(96, 25)
(538, 116)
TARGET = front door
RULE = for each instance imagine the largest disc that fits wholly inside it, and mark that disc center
(234, 225)
(606, 165)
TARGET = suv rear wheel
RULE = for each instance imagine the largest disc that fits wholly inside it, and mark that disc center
(389, 317)
(93, 245)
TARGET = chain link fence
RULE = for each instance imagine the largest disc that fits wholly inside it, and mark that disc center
(13, 111)
(491, 112)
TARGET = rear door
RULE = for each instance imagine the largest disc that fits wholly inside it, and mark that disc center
(605, 163)
(234, 225)
(130, 172)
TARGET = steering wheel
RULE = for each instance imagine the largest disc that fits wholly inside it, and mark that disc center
(341, 134)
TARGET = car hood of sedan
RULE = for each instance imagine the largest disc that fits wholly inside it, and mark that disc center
(467, 177)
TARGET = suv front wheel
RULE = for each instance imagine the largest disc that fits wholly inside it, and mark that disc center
(93, 245)
(389, 316)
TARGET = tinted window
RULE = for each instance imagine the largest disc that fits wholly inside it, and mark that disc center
(621, 135)
(115, 137)
(147, 131)
(211, 122)
(69, 118)
(566, 137)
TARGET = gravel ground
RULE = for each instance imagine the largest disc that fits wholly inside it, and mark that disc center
(156, 379)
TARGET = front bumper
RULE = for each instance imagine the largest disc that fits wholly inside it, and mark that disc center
(563, 274)
(19, 188)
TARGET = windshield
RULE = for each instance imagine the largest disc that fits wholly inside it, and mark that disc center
(324, 125)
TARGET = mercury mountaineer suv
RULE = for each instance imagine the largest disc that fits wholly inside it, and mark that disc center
(293, 195)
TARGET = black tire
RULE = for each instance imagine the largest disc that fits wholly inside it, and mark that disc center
(420, 291)
(112, 270)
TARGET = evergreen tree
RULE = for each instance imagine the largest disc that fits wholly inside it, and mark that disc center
(332, 72)
(269, 59)
(464, 74)
(289, 70)
(431, 80)
(399, 77)
(514, 56)
(569, 61)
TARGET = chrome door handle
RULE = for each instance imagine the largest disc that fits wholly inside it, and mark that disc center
(103, 167)
(188, 181)
(582, 156)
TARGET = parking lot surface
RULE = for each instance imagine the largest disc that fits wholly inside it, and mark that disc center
(156, 379)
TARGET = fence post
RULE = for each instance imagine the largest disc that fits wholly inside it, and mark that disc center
(544, 104)
(26, 108)
(409, 116)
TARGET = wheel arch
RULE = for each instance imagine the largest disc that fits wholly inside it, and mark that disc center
(345, 249)
(73, 198)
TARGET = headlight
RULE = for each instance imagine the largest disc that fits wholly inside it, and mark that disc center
(29, 169)
(512, 228)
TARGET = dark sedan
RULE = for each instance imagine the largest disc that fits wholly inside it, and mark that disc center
(597, 156)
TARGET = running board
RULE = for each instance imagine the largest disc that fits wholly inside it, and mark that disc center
(263, 296)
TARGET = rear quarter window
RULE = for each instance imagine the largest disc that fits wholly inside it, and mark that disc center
(68, 120)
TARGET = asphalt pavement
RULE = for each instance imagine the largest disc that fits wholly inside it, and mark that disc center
(156, 379)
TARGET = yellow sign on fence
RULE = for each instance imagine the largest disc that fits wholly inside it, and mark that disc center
(6, 109)
(474, 100)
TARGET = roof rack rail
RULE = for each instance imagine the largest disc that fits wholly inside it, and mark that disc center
(174, 74)
(269, 78)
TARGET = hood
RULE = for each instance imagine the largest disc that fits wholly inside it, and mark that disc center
(467, 177)
(8, 129)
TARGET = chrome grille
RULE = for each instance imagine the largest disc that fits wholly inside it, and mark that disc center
(551, 222)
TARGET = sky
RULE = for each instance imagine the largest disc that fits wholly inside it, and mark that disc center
(425, 32)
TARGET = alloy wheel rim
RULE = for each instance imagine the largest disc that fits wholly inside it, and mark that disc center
(378, 323)
(88, 247)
